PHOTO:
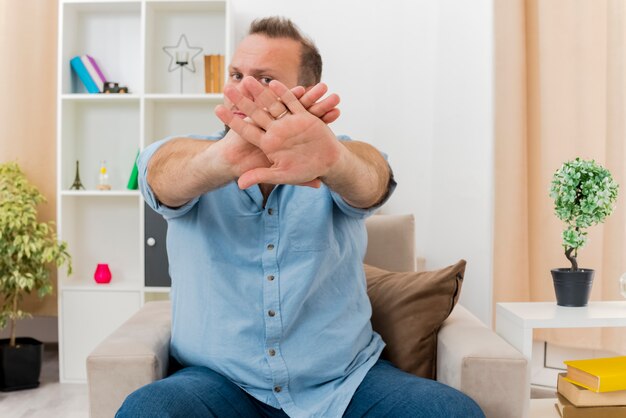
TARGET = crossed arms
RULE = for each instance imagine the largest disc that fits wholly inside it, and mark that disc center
(271, 146)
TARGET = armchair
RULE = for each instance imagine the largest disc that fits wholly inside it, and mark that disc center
(470, 356)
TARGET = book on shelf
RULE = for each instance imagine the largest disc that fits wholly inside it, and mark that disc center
(213, 73)
(220, 84)
(598, 374)
(568, 410)
(133, 183)
(94, 71)
(579, 396)
(82, 73)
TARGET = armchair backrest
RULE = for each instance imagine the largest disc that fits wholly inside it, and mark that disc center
(391, 242)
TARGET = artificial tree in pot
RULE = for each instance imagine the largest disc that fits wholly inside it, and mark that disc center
(28, 249)
(584, 195)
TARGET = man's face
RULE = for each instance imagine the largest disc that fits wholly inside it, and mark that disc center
(265, 59)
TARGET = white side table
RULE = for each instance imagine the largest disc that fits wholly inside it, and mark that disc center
(515, 321)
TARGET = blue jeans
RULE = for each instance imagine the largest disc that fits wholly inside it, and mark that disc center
(385, 392)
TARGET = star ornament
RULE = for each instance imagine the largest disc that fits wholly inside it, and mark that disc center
(182, 52)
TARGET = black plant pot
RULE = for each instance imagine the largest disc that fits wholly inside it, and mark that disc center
(20, 366)
(572, 288)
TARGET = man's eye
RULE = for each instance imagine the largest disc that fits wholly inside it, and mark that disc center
(266, 80)
(236, 76)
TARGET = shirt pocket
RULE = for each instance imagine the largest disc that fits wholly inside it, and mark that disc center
(310, 219)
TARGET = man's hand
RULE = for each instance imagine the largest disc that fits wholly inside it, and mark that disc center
(325, 109)
(302, 150)
(242, 156)
(299, 145)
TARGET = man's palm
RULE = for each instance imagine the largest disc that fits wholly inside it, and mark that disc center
(242, 155)
(297, 149)
(301, 148)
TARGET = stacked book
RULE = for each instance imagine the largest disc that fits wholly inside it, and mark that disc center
(593, 388)
(213, 73)
(89, 73)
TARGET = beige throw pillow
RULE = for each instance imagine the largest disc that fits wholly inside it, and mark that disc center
(408, 309)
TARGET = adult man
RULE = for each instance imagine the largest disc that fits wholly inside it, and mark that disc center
(266, 240)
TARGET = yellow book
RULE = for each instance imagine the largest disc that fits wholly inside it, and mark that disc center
(598, 374)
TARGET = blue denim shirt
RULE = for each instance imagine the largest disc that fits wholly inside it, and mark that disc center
(273, 298)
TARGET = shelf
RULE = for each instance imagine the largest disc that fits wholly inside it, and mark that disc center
(99, 193)
(156, 289)
(78, 97)
(204, 25)
(180, 117)
(126, 39)
(103, 5)
(187, 5)
(101, 231)
(163, 97)
(97, 130)
(176, 98)
(110, 32)
(106, 287)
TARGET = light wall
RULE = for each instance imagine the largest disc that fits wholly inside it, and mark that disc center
(28, 34)
(415, 78)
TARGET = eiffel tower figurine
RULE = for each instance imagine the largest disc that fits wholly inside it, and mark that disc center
(77, 185)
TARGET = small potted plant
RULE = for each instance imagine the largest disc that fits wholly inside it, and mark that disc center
(584, 195)
(28, 249)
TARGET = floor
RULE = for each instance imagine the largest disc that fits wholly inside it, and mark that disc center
(543, 408)
(51, 399)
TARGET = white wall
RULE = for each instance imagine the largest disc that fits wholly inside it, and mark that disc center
(416, 81)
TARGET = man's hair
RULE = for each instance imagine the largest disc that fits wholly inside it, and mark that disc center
(310, 59)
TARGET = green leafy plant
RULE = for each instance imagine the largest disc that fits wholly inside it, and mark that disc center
(584, 195)
(27, 247)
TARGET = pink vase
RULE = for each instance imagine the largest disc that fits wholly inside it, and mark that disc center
(102, 274)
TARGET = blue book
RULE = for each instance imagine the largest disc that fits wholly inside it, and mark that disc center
(83, 74)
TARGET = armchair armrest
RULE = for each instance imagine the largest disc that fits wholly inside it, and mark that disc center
(475, 360)
(134, 355)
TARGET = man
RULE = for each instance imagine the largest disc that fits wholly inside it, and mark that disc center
(266, 241)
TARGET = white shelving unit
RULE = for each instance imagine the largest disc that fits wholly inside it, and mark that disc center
(126, 39)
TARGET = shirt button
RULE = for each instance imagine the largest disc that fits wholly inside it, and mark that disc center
(270, 211)
(271, 313)
(272, 352)
(270, 246)
(270, 278)
(277, 389)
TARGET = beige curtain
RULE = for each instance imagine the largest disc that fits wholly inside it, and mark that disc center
(560, 93)
(28, 47)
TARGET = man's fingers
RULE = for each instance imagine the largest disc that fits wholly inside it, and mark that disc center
(258, 176)
(298, 91)
(287, 97)
(271, 176)
(316, 183)
(247, 106)
(246, 130)
(264, 97)
(331, 116)
(313, 95)
(322, 107)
